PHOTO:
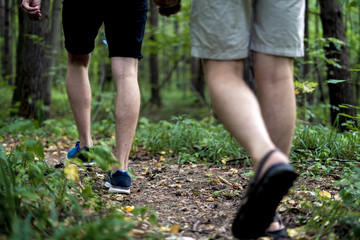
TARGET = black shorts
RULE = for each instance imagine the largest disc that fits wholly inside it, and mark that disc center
(124, 22)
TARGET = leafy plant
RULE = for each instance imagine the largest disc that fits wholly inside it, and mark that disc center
(39, 202)
(342, 215)
(189, 139)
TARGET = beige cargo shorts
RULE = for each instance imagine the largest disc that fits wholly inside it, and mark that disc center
(228, 29)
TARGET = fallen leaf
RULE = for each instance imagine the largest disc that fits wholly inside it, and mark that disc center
(281, 208)
(72, 172)
(233, 170)
(175, 228)
(128, 209)
(337, 197)
(296, 233)
(324, 193)
(165, 229)
(217, 180)
(210, 199)
(236, 185)
(224, 161)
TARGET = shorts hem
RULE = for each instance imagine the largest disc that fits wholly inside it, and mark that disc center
(127, 56)
(284, 52)
(78, 52)
(223, 55)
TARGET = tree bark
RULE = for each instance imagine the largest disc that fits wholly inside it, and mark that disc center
(54, 38)
(32, 66)
(317, 74)
(306, 69)
(340, 93)
(6, 51)
(153, 59)
(197, 80)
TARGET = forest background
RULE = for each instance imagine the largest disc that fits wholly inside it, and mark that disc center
(34, 105)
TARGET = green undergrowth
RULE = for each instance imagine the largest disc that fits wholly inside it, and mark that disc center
(188, 139)
(338, 218)
(39, 202)
(320, 149)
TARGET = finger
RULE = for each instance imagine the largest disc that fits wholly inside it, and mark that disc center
(31, 10)
(28, 9)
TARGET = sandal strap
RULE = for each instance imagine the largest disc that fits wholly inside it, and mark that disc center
(281, 232)
(262, 163)
(278, 218)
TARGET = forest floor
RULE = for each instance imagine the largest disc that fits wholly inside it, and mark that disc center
(198, 201)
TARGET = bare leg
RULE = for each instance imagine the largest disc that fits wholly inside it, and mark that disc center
(274, 76)
(238, 109)
(127, 106)
(79, 94)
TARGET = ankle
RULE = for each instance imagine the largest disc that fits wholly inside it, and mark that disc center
(87, 143)
(275, 158)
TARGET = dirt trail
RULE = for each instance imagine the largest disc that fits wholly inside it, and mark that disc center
(196, 200)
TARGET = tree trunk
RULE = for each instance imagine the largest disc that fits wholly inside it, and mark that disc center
(2, 8)
(153, 60)
(32, 66)
(54, 37)
(306, 42)
(340, 93)
(6, 51)
(317, 74)
(197, 80)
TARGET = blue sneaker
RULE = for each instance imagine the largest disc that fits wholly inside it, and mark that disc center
(119, 182)
(75, 152)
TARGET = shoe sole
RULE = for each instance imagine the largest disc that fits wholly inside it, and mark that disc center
(89, 164)
(255, 216)
(112, 189)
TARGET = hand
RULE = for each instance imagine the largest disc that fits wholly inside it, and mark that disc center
(32, 9)
(167, 3)
(168, 7)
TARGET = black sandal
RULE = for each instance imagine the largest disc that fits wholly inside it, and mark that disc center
(262, 198)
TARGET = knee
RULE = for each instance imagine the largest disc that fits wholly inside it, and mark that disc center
(79, 60)
(124, 68)
(224, 72)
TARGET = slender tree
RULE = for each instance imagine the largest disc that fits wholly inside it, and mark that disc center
(6, 55)
(153, 59)
(339, 93)
(317, 74)
(32, 66)
(197, 80)
(306, 69)
(54, 38)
